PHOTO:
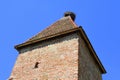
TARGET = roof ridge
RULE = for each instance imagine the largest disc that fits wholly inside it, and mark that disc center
(74, 24)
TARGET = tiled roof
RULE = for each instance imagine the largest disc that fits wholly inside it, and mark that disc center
(61, 25)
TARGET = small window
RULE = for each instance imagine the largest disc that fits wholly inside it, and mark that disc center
(36, 65)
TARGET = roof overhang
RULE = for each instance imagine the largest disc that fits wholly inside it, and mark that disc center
(45, 38)
(92, 51)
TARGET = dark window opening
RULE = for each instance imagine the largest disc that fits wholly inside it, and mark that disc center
(36, 65)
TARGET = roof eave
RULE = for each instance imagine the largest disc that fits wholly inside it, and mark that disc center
(44, 38)
(92, 50)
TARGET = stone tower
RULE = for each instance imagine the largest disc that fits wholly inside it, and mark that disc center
(60, 52)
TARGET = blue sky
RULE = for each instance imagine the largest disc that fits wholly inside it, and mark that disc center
(21, 19)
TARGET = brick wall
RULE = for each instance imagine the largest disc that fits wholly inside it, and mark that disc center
(57, 59)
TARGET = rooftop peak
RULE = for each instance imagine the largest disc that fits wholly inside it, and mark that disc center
(71, 14)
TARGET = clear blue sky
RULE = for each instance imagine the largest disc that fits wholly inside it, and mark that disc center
(21, 19)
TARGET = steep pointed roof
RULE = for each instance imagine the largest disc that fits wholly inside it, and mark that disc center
(60, 26)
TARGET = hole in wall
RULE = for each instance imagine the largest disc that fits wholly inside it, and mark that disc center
(36, 65)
